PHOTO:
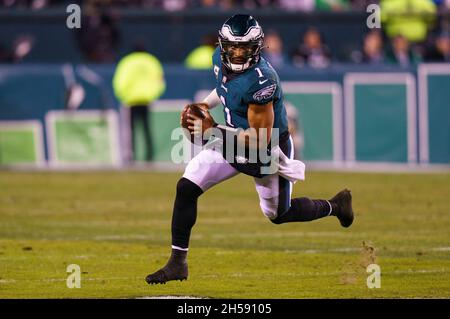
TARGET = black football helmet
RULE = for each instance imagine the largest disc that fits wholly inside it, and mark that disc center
(240, 39)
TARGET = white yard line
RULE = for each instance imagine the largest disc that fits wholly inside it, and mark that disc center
(440, 249)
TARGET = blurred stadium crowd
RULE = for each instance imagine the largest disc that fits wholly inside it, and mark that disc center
(173, 5)
(413, 31)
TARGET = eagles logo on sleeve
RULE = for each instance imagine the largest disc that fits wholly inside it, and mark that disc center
(265, 93)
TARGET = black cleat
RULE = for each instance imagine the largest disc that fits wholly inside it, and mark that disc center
(343, 201)
(175, 269)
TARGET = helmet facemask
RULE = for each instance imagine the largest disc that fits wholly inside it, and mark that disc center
(238, 56)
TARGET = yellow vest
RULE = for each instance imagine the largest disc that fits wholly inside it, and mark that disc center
(138, 79)
(200, 58)
(410, 18)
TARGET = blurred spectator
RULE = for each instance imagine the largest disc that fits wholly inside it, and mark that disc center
(312, 52)
(443, 4)
(440, 51)
(213, 4)
(138, 81)
(33, 4)
(174, 5)
(297, 5)
(232, 4)
(273, 51)
(21, 47)
(253, 4)
(99, 38)
(361, 5)
(409, 18)
(372, 51)
(228, 4)
(201, 57)
(401, 53)
(207, 4)
(332, 5)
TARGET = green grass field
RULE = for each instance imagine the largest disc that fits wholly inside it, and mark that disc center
(116, 227)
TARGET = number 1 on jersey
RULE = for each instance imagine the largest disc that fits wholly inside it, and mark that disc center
(227, 111)
(258, 70)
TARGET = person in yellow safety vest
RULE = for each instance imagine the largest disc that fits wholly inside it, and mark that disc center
(201, 57)
(409, 18)
(138, 81)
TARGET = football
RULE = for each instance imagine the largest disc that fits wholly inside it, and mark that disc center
(194, 108)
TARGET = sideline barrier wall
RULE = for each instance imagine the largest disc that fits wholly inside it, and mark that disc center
(78, 138)
(348, 114)
(319, 106)
(21, 143)
(380, 117)
(434, 113)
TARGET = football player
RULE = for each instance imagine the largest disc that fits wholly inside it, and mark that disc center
(249, 89)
